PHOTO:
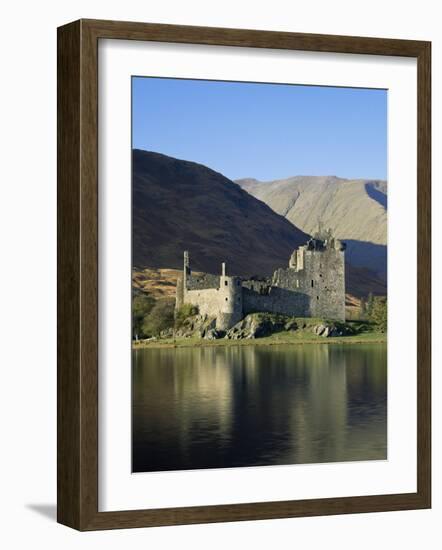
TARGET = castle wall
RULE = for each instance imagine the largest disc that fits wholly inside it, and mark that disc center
(207, 300)
(278, 300)
(202, 281)
(260, 286)
(322, 279)
(327, 271)
(225, 302)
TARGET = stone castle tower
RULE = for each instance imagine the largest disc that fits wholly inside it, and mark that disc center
(230, 301)
(217, 296)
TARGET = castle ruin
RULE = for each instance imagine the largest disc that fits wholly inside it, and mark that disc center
(313, 285)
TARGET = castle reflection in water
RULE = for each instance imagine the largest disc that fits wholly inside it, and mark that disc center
(229, 406)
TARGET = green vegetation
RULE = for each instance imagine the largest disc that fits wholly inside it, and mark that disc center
(150, 316)
(183, 313)
(160, 317)
(374, 311)
(155, 323)
(289, 337)
(378, 313)
(142, 305)
(279, 330)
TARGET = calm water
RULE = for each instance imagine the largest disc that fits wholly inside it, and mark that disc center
(219, 407)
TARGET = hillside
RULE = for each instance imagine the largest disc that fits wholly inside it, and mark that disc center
(180, 205)
(356, 211)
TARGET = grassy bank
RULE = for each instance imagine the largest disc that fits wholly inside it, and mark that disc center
(297, 337)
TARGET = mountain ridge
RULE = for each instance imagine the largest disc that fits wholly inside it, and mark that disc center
(356, 211)
(181, 205)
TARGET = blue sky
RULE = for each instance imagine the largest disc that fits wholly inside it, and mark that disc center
(264, 131)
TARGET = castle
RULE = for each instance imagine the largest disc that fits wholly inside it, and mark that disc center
(313, 285)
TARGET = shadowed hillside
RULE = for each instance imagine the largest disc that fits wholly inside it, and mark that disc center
(356, 211)
(180, 205)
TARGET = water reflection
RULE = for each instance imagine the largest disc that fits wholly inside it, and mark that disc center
(215, 407)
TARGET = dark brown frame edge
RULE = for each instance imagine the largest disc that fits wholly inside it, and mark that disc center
(77, 385)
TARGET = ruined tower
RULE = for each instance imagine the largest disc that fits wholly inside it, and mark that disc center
(186, 268)
(229, 300)
(181, 285)
(317, 269)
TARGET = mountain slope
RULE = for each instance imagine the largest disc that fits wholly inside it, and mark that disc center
(180, 205)
(356, 211)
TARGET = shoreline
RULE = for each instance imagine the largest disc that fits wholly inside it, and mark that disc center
(370, 338)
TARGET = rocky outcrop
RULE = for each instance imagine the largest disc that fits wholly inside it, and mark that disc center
(255, 325)
(259, 325)
(199, 325)
(214, 334)
(328, 330)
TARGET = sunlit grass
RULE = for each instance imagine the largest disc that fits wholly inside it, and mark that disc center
(296, 337)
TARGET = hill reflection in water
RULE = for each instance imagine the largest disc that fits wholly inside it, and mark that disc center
(214, 407)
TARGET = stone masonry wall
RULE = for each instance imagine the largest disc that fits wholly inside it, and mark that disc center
(278, 300)
(207, 300)
(313, 286)
(322, 280)
(202, 281)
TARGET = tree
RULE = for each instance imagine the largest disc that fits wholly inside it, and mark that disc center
(362, 308)
(160, 317)
(142, 304)
(185, 311)
(378, 313)
(369, 304)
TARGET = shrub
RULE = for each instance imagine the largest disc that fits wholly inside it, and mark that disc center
(160, 318)
(368, 306)
(142, 304)
(378, 313)
(183, 313)
(362, 312)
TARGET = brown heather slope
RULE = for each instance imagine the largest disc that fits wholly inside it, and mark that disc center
(180, 205)
(158, 283)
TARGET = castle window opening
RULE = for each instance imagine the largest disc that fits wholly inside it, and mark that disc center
(227, 299)
(226, 283)
(312, 283)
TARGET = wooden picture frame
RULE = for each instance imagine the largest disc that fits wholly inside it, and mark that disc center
(78, 274)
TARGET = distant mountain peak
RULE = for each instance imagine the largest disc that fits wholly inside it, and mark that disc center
(356, 211)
